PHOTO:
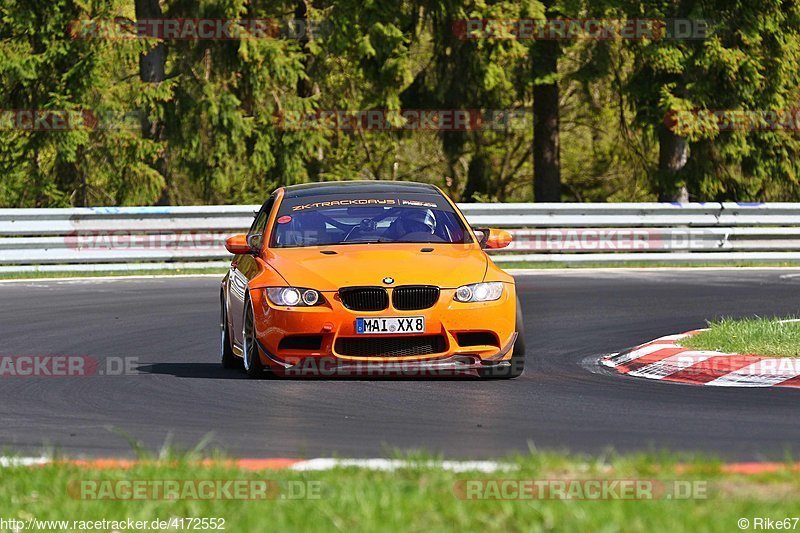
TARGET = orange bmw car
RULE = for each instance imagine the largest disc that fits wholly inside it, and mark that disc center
(368, 278)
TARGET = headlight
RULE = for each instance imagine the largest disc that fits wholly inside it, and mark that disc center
(293, 297)
(480, 292)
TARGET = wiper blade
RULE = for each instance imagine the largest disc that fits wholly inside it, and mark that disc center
(416, 242)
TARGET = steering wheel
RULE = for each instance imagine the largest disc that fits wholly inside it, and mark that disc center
(367, 225)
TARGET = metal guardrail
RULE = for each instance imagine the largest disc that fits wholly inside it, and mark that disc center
(144, 238)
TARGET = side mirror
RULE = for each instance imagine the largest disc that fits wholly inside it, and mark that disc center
(238, 245)
(494, 238)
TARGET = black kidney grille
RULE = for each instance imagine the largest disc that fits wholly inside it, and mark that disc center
(364, 298)
(414, 297)
(390, 346)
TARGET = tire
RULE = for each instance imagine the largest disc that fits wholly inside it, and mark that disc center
(252, 361)
(517, 360)
(226, 356)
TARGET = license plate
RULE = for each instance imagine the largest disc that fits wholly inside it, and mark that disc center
(391, 325)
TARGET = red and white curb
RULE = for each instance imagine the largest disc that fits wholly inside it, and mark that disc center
(665, 360)
(300, 465)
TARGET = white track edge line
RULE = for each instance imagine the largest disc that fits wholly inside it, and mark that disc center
(325, 463)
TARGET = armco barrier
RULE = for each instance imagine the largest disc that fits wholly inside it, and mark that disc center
(143, 238)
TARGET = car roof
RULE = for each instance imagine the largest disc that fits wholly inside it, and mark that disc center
(356, 187)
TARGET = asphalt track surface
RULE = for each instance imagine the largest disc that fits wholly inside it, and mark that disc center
(167, 328)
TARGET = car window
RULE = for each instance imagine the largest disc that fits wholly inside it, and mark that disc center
(255, 236)
(377, 218)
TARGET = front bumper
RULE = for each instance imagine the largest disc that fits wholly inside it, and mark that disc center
(455, 365)
(332, 321)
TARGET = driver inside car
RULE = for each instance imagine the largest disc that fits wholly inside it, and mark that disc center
(411, 222)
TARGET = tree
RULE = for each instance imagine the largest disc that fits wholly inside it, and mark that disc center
(747, 61)
(152, 67)
(44, 69)
(546, 104)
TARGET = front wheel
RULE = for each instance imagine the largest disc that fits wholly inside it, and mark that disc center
(226, 356)
(252, 360)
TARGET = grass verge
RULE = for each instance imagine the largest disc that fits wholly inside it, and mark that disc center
(686, 496)
(755, 336)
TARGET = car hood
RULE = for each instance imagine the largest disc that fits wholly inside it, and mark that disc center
(446, 266)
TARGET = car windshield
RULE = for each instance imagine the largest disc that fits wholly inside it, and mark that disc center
(373, 219)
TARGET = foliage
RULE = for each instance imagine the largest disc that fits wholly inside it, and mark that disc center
(223, 103)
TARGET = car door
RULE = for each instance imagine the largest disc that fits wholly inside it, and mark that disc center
(244, 268)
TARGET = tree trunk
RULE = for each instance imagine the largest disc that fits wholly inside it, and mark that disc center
(301, 14)
(151, 63)
(673, 151)
(306, 88)
(478, 177)
(546, 152)
(152, 66)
